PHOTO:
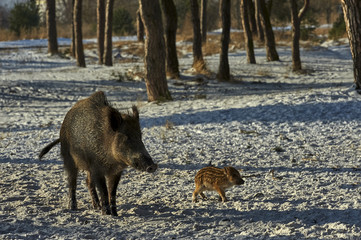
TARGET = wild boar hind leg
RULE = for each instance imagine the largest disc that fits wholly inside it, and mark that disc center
(72, 176)
(113, 182)
(72, 173)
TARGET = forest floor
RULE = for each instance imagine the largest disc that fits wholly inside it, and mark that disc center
(304, 127)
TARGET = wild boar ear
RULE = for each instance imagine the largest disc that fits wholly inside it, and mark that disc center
(135, 111)
(115, 119)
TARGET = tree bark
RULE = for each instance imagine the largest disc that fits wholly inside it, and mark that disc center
(154, 59)
(108, 55)
(198, 62)
(247, 32)
(140, 27)
(170, 23)
(79, 50)
(270, 43)
(223, 70)
(51, 27)
(238, 13)
(260, 30)
(352, 15)
(252, 17)
(100, 29)
(72, 45)
(204, 20)
(296, 33)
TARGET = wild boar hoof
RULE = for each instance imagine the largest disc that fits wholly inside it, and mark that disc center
(96, 206)
(113, 210)
(106, 211)
(152, 168)
(73, 206)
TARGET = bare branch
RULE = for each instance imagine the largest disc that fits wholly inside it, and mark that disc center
(303, 10)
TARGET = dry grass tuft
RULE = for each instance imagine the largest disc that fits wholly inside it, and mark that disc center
(201, 68)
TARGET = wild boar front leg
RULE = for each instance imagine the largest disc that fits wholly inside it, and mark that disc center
(102, 187)
(113, 182)
(222, 194)
(92, 191)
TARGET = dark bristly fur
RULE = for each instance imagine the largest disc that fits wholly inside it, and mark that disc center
(216, 179)
(96, 138)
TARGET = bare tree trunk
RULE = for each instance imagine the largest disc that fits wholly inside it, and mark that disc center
(170, 23)
(352, 15)
(108, 55)
(79, 50)
(140, 27)
(247, 31)
(252, 17)
(271, 51)
(100, 29)
(238, 13)
(260, 30)
(296, 33)
(204, 20)
(223, 70)
(154, 59)
(51, 27)
(269, 4)
(72, 46)
(198, 62)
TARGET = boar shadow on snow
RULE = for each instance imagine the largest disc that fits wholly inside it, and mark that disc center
(97, 138)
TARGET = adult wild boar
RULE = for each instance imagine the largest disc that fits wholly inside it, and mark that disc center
(96, 138)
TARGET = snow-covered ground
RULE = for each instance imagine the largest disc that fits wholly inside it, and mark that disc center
(305, 127)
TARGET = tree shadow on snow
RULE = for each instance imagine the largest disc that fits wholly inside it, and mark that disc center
(277, 113)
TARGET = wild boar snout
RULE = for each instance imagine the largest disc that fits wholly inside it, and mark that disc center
(145, 164)
(239, 181)
(152, 168)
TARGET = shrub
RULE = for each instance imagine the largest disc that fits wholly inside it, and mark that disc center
(308, 25)
(123, 22)
(338, 29)
(24, 16)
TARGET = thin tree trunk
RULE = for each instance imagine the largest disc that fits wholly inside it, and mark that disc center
(154, 59)
(296, 20)
(170, 23)
(51, 27)
(108, 55)
(238, 13)
(252, 17)
(260, 30)
(198, 62)
(247, 31)
(204, 20)
(101, 29)
(270, 43)
(225, 12)
(72, 46)
(140, 27)
(269, 5)
(79, 50)
(352, 15)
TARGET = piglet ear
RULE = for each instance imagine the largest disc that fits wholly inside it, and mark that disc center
(135, 111)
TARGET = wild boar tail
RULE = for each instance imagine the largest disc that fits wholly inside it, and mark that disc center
(48, 147)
